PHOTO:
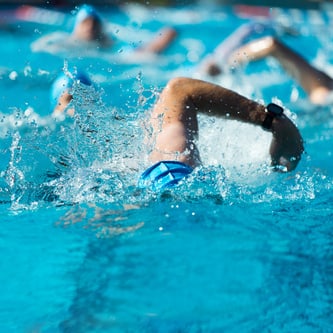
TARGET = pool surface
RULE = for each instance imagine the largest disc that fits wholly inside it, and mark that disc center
(234, 248)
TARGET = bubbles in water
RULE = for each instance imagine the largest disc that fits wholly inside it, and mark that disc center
(13, 75)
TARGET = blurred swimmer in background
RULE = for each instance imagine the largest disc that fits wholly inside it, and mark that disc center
(220, 61)
(255, 41)
(88, 27)
(62, 91)
(316, 83)
(89, 33)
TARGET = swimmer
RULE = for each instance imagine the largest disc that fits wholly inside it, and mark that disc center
(217, 62)
(235, 51)
(174, 125)
(88, 32)
(61, 92)
(175, 129)
(88, 27)
(317, 84)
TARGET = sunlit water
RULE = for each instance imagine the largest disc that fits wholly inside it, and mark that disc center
(235, 248)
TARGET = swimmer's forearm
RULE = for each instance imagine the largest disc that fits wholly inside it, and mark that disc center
(287, 143)
(252, 51)
(160, 42)
(309, 77)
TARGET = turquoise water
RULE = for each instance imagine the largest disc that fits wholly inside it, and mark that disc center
(236, 248)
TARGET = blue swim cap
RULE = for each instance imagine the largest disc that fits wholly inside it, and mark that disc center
(164, 174)
(84, 12)
(64, 82)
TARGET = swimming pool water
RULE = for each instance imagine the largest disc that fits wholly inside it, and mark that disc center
(236, 248)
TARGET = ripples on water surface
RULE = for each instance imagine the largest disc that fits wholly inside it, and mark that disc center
(236, 248)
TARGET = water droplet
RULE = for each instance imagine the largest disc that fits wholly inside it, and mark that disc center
(13, 75)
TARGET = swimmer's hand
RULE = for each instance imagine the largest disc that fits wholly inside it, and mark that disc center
(286, 146)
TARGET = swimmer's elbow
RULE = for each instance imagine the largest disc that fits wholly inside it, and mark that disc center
(177, 81)
(178, 85)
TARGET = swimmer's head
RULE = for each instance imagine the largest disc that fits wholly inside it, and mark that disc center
(60, 94)
(86, 11)
(88, 24)
(164, 175)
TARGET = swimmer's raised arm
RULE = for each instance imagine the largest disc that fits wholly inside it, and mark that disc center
(315, 82)
(215, 63)
(175, 125)
(160, 42)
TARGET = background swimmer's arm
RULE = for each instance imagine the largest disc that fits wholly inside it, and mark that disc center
(315, 82)
(255, 50)
(213, 64)
(162, 40)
